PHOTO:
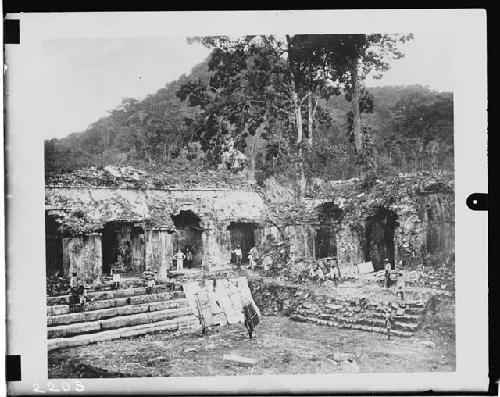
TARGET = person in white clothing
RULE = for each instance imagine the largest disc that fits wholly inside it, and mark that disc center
(238, 255)
(179, 257)
(387, 273)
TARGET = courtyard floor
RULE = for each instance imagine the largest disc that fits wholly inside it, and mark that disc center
(280, 346)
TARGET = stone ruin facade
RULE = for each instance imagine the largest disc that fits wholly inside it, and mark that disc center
(84, 225)
(407, 219)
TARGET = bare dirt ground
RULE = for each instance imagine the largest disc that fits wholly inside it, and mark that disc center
(280, 346)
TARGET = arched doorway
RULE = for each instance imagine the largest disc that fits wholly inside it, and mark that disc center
(123, 245)
(53, 247)
(242, 234)
(379, 238)
(188, 235)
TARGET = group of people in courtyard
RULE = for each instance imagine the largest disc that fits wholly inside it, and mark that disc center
(328, 270)
(237, 257)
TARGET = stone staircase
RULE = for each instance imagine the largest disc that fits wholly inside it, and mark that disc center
(369, 317)
(118, 314)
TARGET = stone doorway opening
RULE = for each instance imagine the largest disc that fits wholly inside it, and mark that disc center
(326, 242)
(329, 215)
(53, 247)
(379, 238)
(123, 246)
(188, 235)
(242, 234)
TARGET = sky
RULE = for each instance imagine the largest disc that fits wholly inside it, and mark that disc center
(84, 78)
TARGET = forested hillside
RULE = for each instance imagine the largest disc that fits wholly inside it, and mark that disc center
(250, 110)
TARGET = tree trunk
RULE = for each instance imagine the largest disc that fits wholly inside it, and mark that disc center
(298, 114)
(356, 121)
(310, 119)
(295, 96)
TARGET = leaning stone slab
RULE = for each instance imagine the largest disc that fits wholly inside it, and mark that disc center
(365, 268)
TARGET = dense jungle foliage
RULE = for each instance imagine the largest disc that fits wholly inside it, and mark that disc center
(294, 107)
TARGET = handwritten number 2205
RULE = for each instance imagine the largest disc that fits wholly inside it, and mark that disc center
(65, 386)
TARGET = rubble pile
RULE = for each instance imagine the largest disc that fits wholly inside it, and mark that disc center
(133, 178)
(57, 285)
(274, 298)
(388, 189)
(440, 278)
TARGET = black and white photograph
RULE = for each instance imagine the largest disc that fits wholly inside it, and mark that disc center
(225, 204)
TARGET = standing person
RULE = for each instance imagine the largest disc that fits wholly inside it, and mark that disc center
(388, 322)
(238, 255)
(387, 272)
(189, 258)
(401, 286)
(252, 258)
(233, 256)
(179, 257)
(320, 274)
(335, 274)
(251, 317)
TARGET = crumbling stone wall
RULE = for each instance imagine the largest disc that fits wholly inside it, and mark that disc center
(423, 206)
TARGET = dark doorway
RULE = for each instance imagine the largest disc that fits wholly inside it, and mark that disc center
(242, 234)
(123, 246)
(53, 247)
(188, 235)
(379, 242)
(326, 242)
(330, 217)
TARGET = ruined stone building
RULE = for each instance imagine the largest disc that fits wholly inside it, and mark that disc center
(406, 219)
(90, 221)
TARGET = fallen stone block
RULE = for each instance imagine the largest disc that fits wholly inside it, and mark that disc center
(57, 310)
(427, 343)
(339, 356)
(332, 306)
(239, 360)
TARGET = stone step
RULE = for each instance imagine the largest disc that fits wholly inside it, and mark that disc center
(405, 318)
(413, 311)
(105, 295)
(101, 314)
(117, 302)
(410, 327)
(65, 331)
(357, 325)
(184, 323)
(57, 310)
